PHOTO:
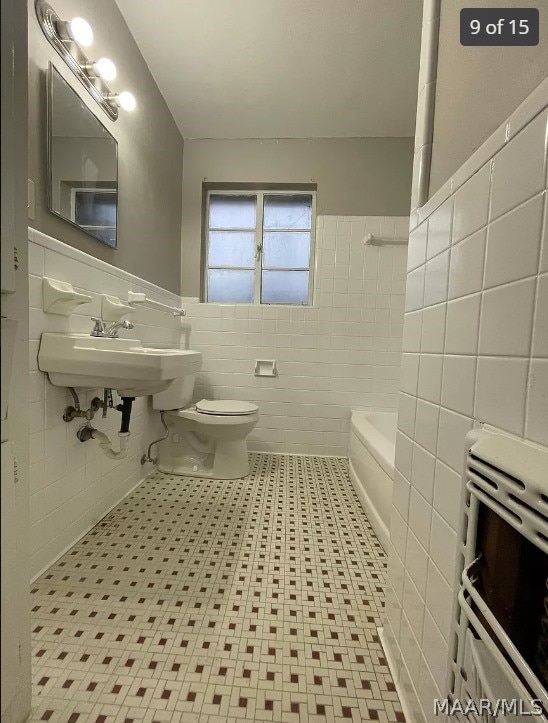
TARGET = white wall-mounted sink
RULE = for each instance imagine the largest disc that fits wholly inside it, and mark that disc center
(80, 360)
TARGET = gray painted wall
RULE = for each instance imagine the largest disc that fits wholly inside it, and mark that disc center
(150, 150)
(355, 176)
(478, 88)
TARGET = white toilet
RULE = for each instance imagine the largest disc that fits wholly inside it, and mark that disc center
(207, 439)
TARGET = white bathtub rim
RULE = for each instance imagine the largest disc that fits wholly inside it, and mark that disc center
(376, 443)
(381, 530)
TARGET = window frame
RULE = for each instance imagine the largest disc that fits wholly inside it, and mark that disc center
(74, 190)
(259, 193)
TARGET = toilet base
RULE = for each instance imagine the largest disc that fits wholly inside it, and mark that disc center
(229, 461)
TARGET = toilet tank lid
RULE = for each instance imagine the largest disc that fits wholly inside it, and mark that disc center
(226, 406)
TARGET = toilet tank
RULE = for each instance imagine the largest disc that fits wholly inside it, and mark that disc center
(177, 396)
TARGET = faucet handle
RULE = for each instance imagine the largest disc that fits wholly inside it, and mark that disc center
(99, 326)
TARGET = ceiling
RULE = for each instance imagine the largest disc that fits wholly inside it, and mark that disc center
(282, 68)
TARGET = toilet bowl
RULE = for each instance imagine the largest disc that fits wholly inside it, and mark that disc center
(206, 439)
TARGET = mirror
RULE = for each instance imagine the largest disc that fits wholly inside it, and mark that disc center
(83, 163)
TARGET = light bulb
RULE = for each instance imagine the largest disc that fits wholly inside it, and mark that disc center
(105, 68)
(126, 100)
(80, 31)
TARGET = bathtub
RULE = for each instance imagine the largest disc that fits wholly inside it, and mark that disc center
(372, 448)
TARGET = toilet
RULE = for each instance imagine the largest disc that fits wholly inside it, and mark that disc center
(206, 439)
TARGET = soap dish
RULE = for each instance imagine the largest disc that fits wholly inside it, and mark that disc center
(112, 309)
(59, 297)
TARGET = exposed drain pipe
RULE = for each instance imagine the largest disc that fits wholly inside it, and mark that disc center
(146, 457)
(125, 408)
(88, 432)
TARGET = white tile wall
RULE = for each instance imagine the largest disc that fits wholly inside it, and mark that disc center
(426, 425)
(430, 377)
(523, 161)
(417, 247)
(507, 260)
(472, 204)
(439, 229)
(342, 353)
(466, 271)
(486, 330)
(72, 484)
(535, 422)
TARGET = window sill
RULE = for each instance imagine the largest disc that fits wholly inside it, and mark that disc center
(259, 306)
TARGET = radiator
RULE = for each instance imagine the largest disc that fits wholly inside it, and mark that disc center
(500, 622)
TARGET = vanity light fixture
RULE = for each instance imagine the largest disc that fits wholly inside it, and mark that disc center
(103, 68)
(77, 30)
(126, 100)
(69, 38)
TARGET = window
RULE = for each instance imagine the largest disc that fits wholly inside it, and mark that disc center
(95, 211)
(259, 247)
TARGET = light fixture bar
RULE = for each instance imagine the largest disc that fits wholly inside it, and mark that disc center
(75, 58)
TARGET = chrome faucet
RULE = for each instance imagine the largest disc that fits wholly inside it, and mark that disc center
(109, 331)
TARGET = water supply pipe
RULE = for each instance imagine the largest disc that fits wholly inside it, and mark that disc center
(146, 457)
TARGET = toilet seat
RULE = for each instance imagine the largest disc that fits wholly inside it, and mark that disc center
(226, 407)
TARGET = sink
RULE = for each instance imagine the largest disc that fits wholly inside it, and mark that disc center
(80, 360)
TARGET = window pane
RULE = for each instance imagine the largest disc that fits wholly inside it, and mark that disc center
(93, 208)
(287, 211)
(231, 248)
(232, 211)
(286, 250)
(285, 287)
(230, 286)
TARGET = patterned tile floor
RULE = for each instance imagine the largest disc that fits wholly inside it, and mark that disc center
(207, 601)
